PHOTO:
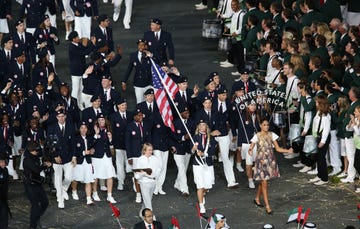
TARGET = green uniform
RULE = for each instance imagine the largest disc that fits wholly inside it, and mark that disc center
(332, 99)
(322, 52)
(314, 75)
(350, 111)
(310, 17)
(331, 9)
(249, 42)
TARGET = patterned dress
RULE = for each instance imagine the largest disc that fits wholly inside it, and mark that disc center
(265, 162)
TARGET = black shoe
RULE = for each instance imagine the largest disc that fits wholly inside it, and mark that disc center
(258, 204)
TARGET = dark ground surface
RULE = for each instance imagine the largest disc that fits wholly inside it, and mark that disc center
(332, 206)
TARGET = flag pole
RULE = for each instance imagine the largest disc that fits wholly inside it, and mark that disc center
(172, 101)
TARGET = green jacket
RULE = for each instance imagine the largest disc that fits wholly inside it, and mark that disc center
(350, 111)
(331, 9)
(250, 41)
(332, 99)
(314, 75)
(324, 56)
(339, 123)
(308, 18)
(264, 59)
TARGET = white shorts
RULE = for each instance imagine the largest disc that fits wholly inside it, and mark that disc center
(103, 168)
(83, 173)
(4, 28)
(204, 176)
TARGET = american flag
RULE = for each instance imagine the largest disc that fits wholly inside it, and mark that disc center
(161, 80)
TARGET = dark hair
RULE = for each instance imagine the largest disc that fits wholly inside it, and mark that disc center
(291, 65)
(310, 4)
(263, 119)
(321, 82)
(144, 211)
(253, 19)
(265, 4)
(323, 105)
(287, 13)
(356, 91)
(276, 6)
(316, 60)
(321, 40)
(273, 45)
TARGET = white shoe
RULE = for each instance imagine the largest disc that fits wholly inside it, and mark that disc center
(65, 195)
(126, 26)
(240, 168)
(224, 62)
(66, 36)
(346, 180)
(61, 205)
(199, 4)
(251, 184)
(305, 169)
(75, 196)
(292, 155)
(320, 182)
(227, 65)
(103, 188)
(335, 171)
(89, 202)
(111, 200)
(316, 179)
(298, 165)
(342, 175)
(105, 1)
(120, 187)
(96, 196)
(201, 7)
(236, 73)
(357, 190)
(138, 198)
(313, 172)
(156, 192)
(202, 208)
(15, 176)
(161, 192)
(116, 16)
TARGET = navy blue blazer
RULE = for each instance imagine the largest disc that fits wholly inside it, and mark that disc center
(142, 76)
(160, 134)
(251, 86)
(16, 113)
(5, 8)
(93, 79)
(33, 103)
(100, 36)
(251, 128)
(89, 116)
(102, 145)
(181, 145)
(40, 73)
(148, 115)
(223, 123)
(77, 55)
(64, 146)
(28, 47)
(27, 137)
(51, 5)
(107, 107)
(78, 147)
(133, 139)
(159, 47)
(35, 11)
(85, 7)
(43, 35)
(202, 115)
(20, 78)
(5, 142)
(118, 126)
(211, 149)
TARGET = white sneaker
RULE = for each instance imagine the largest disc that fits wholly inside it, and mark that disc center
(346, 180)
(126, 26)
(75, 195)
(251, 184)
(335, 171)
(202, 208)
(227, 65)
(342, 175)
(313, 172)
(95, 196)
(65, 195)
(156, 192)
(161, 192)
(316, 179)
(292, 155)
(357, 190)
(103, 188)
(224, 62)
(320, 182)
(201, 7)
(305, 169)
(111, 200)
(120, 187)
(15, 176)
(298, 165)
(199, 4)
(66, 35)
(89, 201)
(105, 1)
(138, 198)
(61, 205)
(236, 73)
(116, 16)
(240, 168)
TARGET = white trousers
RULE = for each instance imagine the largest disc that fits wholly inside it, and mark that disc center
(69, 13)
(121, 161)
(182, 163)
(147, 190)
(334, 150)
(62, 185)
(17, 145)
(128, 9)
(350, 153)
(353, 18)
(11, 168)
(228, 163)
(163, 156)
(83, 26)
(77, 87)
(139, 93)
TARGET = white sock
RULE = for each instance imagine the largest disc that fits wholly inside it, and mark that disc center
(250, 180)
(138, 194)
(109, 194)
(88, 198)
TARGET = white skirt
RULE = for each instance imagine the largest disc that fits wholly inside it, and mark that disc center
(103, 168)
(204, 176)
(83, 173)
(4, 28)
